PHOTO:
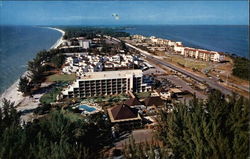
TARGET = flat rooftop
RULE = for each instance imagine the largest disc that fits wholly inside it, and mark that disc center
(110, 74)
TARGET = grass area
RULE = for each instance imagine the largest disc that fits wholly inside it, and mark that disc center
(50, 96)
(226, 69)
(142, 94)
(190, 63)
(72, 116)
(61, 77)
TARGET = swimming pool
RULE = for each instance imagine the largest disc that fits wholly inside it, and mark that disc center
(86, 107)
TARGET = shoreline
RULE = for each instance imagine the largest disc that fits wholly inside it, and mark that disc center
(12, 92)
(60, 40)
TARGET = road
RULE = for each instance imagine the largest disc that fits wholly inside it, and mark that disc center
(211, 83)
(141, 135)
(178, 81)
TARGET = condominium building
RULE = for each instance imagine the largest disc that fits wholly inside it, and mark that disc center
(179, 48)
(84, 43)
(106, 83)
(202, 54)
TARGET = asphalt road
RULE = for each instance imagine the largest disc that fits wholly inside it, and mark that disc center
(178, 81)
(141, 135)
(211, 83)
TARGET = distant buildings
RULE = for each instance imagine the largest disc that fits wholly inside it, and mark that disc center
(157, 44)
(106, 83)
(82, 63)
(84, 43)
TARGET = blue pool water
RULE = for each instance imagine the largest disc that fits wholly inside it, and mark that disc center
(87, 108)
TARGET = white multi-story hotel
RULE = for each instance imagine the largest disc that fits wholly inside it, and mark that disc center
(84, 43)
(106, 83)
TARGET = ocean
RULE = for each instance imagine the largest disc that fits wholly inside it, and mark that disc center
(18, 45)
(233, 39)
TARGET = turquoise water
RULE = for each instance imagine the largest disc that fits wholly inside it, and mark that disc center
(18, 45)
(87, 108)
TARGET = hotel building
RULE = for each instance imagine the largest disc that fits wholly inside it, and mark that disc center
(106, 83)
(202, 54)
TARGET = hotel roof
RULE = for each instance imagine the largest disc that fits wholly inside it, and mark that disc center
(132, 102)
(150, 101)
(191, 49)
(110, 74)
(122, 113)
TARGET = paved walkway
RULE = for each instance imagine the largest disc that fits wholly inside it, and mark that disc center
(141, 135)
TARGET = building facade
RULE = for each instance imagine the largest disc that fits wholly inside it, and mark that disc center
(106, 83)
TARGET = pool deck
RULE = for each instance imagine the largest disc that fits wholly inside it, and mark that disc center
(93, 105)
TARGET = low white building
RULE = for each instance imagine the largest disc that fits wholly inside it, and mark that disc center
(178, 48)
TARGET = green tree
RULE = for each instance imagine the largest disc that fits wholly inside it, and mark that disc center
(144, 150)
(9, 115)
(24, 85)
(60, 135)
(241, 67)
(217, 128)
(58, 60)
(35, 69)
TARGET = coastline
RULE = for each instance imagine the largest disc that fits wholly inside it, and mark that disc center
(12, 92)
(60, 40)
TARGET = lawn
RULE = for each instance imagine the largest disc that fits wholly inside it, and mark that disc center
(50, 96)
(142, 94)
(188, 62)
(61, 78)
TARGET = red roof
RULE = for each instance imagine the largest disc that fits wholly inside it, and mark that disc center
(123, 112)
(204, 51)
(190, 49)
(207, 52)
(150, 101)
(132, 102)
(179, 44)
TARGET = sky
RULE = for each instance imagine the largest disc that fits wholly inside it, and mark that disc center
(130, 13)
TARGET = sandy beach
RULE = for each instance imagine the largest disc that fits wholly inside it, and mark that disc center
(12, 93)
(60, 40)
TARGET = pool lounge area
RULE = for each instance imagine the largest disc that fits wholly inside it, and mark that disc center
(87, 108)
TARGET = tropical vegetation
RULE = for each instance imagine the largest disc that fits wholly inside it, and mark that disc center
(241, 67)
(90, 32)
(59, 135)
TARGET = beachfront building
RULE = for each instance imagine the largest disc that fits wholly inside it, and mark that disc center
(106, 83)
(190, 52)
(139, 37)
(178, 48)
(202, 54)
(157, 44)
